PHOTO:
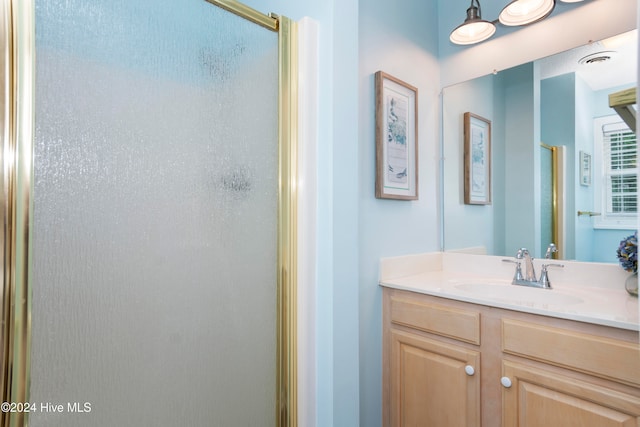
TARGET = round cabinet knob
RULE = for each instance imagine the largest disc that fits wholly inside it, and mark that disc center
(469, 370)
(506, 382)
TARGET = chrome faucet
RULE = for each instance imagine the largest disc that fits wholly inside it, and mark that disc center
(551, 249)
(529, 278)
(530, 272)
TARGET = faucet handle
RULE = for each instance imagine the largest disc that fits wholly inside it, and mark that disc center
(551, 249)
(518, 274)
(544, 276)
(522, 252)
(545, 266)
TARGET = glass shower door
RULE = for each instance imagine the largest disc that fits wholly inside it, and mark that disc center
(155, 216)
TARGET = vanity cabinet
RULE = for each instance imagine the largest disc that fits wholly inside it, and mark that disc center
(540, 398)
(432, 382)
(579, 379)
(451, 363)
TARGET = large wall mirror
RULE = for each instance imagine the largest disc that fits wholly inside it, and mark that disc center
(562, 160)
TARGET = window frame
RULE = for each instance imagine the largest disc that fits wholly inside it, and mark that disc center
(602, 199)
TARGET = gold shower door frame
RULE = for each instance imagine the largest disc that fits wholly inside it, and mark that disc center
(555, 219)
(17, 79)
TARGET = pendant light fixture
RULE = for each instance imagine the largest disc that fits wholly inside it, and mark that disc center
(474, 29)
(524, 12)
(516, 13)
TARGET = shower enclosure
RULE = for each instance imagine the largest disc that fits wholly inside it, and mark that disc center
(149, 200)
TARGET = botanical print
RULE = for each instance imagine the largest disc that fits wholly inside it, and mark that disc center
(396, 139)
(478, 162)
(396, 108)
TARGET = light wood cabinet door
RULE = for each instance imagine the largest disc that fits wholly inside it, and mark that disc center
(433, 384)
(540, 398)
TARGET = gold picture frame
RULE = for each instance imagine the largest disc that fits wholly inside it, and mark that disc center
(477, 160)
(396, 138)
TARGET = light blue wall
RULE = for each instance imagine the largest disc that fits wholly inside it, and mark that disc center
(499, 178)
(558, 111)
(558, 128)
(605, 242)
(521, 154)
(506, 224)
(357, 38)
(399, 38)
(337, 353)
(569, 106)
(469, 226)
(355, 229)
(585, 249)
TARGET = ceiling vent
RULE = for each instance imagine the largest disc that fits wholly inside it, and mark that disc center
(598, 57)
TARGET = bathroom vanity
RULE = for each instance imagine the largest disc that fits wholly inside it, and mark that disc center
(464, 347)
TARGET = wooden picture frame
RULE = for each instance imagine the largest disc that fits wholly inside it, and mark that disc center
(477, 160)
(396, 138)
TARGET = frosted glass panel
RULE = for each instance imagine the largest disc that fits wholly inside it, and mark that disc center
(154, 235)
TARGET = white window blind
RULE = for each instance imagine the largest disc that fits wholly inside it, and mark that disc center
(620, 169)
(618, 173)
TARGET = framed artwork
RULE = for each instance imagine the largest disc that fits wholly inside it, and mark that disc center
(396, 138)
(477, 160)
(585, 168)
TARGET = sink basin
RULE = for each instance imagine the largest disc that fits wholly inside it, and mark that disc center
(518, 294)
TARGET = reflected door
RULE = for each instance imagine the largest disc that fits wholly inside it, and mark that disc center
(547, 220)
(553, 200)
(155, 215)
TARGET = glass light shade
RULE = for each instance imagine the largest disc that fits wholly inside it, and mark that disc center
(473, 31)
(523, 12)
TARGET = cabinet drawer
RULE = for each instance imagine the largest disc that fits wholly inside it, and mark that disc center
(463, 325)
(598, 356)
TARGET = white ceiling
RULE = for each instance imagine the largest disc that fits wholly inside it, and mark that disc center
(621, 69)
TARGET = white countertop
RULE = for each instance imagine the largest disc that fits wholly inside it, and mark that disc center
(585, 292)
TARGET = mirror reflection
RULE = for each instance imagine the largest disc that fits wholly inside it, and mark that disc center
(563, 166)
